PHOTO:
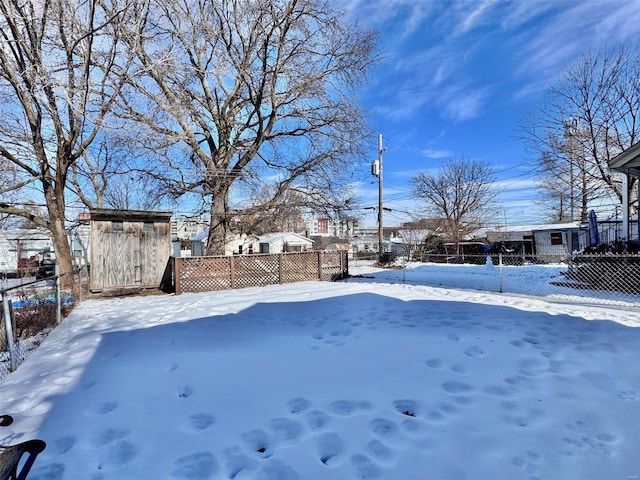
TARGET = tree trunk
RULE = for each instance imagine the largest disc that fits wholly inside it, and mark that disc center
(219, 222)
(56, 209)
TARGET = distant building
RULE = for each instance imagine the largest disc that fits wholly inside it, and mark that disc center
(327, 227)
(185, 228)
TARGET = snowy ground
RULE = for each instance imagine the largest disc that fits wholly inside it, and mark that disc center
(360, 379)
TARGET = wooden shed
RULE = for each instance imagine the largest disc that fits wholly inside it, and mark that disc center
(129, 249)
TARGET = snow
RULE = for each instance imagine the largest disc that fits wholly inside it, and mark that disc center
(371, 378)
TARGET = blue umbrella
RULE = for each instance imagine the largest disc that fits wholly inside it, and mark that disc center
(594, 236)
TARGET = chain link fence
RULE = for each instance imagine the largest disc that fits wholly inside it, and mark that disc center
(612, 279)
(29, 310)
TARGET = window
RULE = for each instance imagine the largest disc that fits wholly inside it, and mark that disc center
(323, 225)
(148, 227)
(556, 238)
(117, 226)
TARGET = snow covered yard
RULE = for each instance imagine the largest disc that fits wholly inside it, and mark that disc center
(324, 380)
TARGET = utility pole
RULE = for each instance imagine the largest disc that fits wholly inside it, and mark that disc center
(376, 170)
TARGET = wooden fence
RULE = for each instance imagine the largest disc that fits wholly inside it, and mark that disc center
(205, 274)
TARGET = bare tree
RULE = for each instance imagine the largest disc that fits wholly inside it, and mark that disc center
(8, 179)
(461, 194)
(107, 175)
(285, 216)
(592, 114)
(420, 235)
(240, 94)
(56, 83)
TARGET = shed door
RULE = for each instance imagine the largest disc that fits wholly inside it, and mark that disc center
(121, 259)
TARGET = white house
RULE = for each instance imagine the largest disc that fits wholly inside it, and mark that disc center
(548, 242)
(279, 242)
(239, 244)
(21, 248)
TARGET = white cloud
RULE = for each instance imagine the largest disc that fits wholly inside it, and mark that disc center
(473, 18)
(436, 154)
(566, 33)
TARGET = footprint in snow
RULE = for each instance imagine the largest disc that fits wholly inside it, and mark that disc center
(258, 442)
(185, 391)
(106, 407)
(379, 451)
(197, 466)
(110, 435)
(474, 352)
(317, 420)
(288, 431)
(201, 421)
(383, 428)
(406, 407)
(330, 448)
(298, 405)
(116, 455)
(365, 467)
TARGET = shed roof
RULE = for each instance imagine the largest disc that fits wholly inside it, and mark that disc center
(129, 215)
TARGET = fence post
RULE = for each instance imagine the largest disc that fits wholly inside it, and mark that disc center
(9, 333)
(500, 271)
(177, 266)
(320, 265)
(280, 260)
(58, 296)
(232, 271)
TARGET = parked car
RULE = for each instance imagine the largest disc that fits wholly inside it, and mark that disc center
(47, 268)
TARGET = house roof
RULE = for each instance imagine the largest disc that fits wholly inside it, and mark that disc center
(200, 237)
(25, 234)
(532, 228)
(628, 161)
(203, 235)
(272, 237)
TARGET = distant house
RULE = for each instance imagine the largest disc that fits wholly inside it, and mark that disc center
(284, 242)
(238, 244)
(547, 242)
(21, 248)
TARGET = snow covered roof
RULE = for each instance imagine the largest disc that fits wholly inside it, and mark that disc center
(531, 228)
(272, 237)
(200, 237)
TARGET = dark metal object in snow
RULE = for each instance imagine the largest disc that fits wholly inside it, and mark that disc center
(11, 456)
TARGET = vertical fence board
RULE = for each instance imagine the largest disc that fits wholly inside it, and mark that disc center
(178, 275)
(232, 272)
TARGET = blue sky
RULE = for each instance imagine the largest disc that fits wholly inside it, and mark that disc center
(458, 77)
